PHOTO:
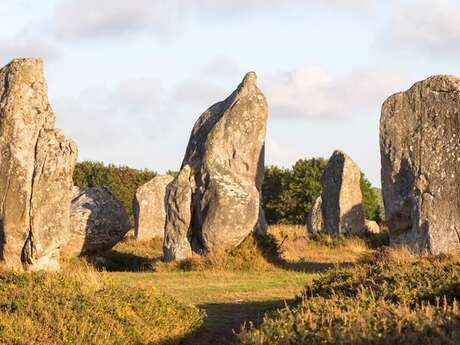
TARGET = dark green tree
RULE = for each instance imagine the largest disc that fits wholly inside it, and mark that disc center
(122, 180)
(288, 194)
(372, 201)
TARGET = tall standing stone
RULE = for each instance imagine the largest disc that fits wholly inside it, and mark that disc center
(149, 208)
(225, 156)
(36, 168)
(341, 197)
(420, 153)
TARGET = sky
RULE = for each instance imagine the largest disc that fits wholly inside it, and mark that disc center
(128, 79)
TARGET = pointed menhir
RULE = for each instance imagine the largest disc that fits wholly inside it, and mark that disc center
(214, 202)
(339, 209)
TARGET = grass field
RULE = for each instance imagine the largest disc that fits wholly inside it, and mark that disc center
(230, 292)
(279, 289)
(130, 296)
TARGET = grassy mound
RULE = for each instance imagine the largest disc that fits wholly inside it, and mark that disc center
(389, 298)
(84, 307)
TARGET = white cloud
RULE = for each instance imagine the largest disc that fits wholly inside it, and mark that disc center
(88, 18)
(428, 26)
(25, 44)
(315, 93)
(222, 66)
(139, 122)
(198, 92)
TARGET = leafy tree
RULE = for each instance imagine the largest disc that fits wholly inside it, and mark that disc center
(275, 181)
(372, 201)
(289, 193)
(122, 180)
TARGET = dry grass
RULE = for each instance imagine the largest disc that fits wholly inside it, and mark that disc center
(83, 306)
(297, 247)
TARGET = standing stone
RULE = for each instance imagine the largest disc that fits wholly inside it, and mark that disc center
(149, 208)
(420, 153)
(342, 207)
(98, 221)
(315, 221)
(36, 168)
(225, 156)
(372, 226)
(178, 231)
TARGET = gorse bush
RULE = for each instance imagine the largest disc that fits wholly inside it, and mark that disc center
(83, 307)
(122, 180)
(387, 299)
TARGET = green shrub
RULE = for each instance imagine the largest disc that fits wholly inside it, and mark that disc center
(363, 320)
(390, 298)
(85, 308)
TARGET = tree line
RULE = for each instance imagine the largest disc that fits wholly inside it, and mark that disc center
(287, 193)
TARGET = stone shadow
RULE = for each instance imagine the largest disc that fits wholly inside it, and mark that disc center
(271, 251)
(115, 261)
(225, 320)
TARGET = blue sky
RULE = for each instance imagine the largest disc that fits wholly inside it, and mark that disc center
(128, 79)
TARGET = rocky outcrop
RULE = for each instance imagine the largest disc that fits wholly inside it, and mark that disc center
(420, 153)
(223, 175)
(149, 208)
(342, 207)
(315, 222)
(36, 168)
(372, 227)
(98, 221)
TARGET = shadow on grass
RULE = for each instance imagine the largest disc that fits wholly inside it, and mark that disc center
(114, 261)
(224, 321)
(313, 266)
(271, 250)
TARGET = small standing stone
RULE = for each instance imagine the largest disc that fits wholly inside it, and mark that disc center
(315, 222)
(372, 227)
(149, 208)
(342, 207)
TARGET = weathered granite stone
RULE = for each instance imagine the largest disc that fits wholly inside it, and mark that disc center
(420, 153)
(98, 221)
(36, 168)
(342, 207)
(315, 222)
(225, 155)
(176, 243)
(372, 226)
(149, 208)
